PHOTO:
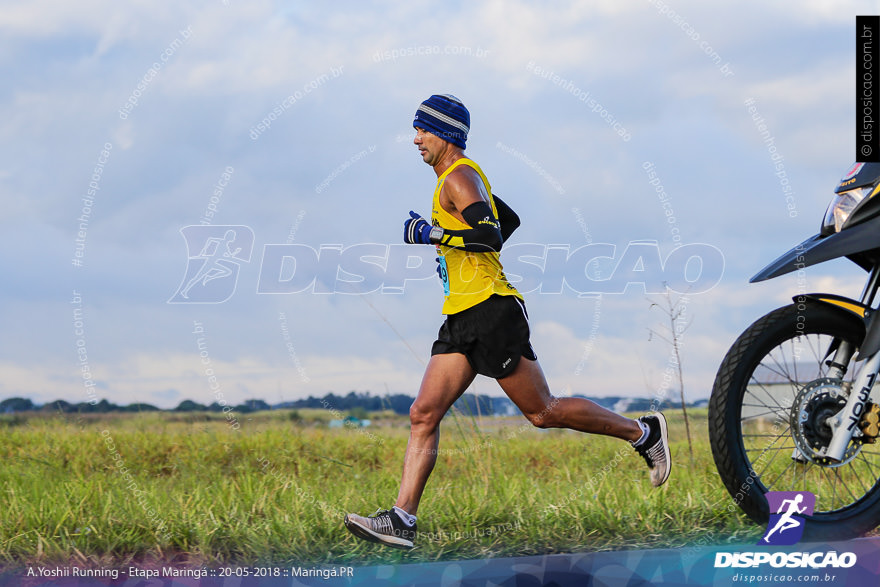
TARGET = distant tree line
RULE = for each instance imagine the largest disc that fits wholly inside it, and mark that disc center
(352, 401)
(398, 403)
(19, 404)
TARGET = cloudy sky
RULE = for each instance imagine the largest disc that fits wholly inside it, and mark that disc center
(616, 126)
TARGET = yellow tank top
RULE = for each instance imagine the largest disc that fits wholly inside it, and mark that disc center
(470, 278)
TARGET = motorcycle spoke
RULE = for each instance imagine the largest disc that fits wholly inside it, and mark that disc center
(766, 392)
(773, 458)
(834, 478)
(762, 405)
(819, 354)
(814, 350)
(768, 449)
(771, 443)
(855, 473)
(833, 488)
(760, 402)
(762, 414)
(845, 486)
(787, 467)
(783, 366)
(871, 472)
(868, 463)
(781, 372)
(831, 481)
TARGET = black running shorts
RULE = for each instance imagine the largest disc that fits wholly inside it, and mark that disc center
(493, 335)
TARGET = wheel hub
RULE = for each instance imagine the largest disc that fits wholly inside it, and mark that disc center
(816, 402)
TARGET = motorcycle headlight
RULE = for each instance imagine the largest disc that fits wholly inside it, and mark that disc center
(841, 207)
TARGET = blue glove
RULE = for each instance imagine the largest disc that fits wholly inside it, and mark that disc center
(416, 230)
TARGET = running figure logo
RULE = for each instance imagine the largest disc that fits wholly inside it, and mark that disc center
(786, 525)
(212, 272)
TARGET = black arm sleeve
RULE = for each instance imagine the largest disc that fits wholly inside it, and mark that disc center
(507, 217)
(484, 236)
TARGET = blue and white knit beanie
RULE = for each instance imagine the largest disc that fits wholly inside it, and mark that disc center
(445, 116)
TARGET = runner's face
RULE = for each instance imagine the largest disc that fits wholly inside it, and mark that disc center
(431, 147)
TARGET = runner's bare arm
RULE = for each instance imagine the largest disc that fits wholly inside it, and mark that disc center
(462, 188)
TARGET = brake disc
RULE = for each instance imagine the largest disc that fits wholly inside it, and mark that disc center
(815, 403)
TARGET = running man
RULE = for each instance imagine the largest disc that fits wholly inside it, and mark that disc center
(786, 521)
(214, 265)
(486, 329)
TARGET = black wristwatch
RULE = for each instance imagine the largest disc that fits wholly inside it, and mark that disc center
(436, 234)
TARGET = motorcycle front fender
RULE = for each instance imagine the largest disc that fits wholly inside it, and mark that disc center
(818, 249)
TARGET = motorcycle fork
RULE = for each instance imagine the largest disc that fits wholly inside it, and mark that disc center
(845, 423)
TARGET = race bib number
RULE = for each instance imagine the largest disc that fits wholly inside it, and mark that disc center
(444, 274)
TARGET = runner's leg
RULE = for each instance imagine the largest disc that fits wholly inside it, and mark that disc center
(527, 387)
(446, 378)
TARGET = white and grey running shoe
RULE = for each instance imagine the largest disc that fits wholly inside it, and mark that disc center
(384, 527)
(655, 449)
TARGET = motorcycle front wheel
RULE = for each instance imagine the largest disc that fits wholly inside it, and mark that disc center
(770, 401)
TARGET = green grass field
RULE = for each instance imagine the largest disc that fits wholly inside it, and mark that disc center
(188, 489)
